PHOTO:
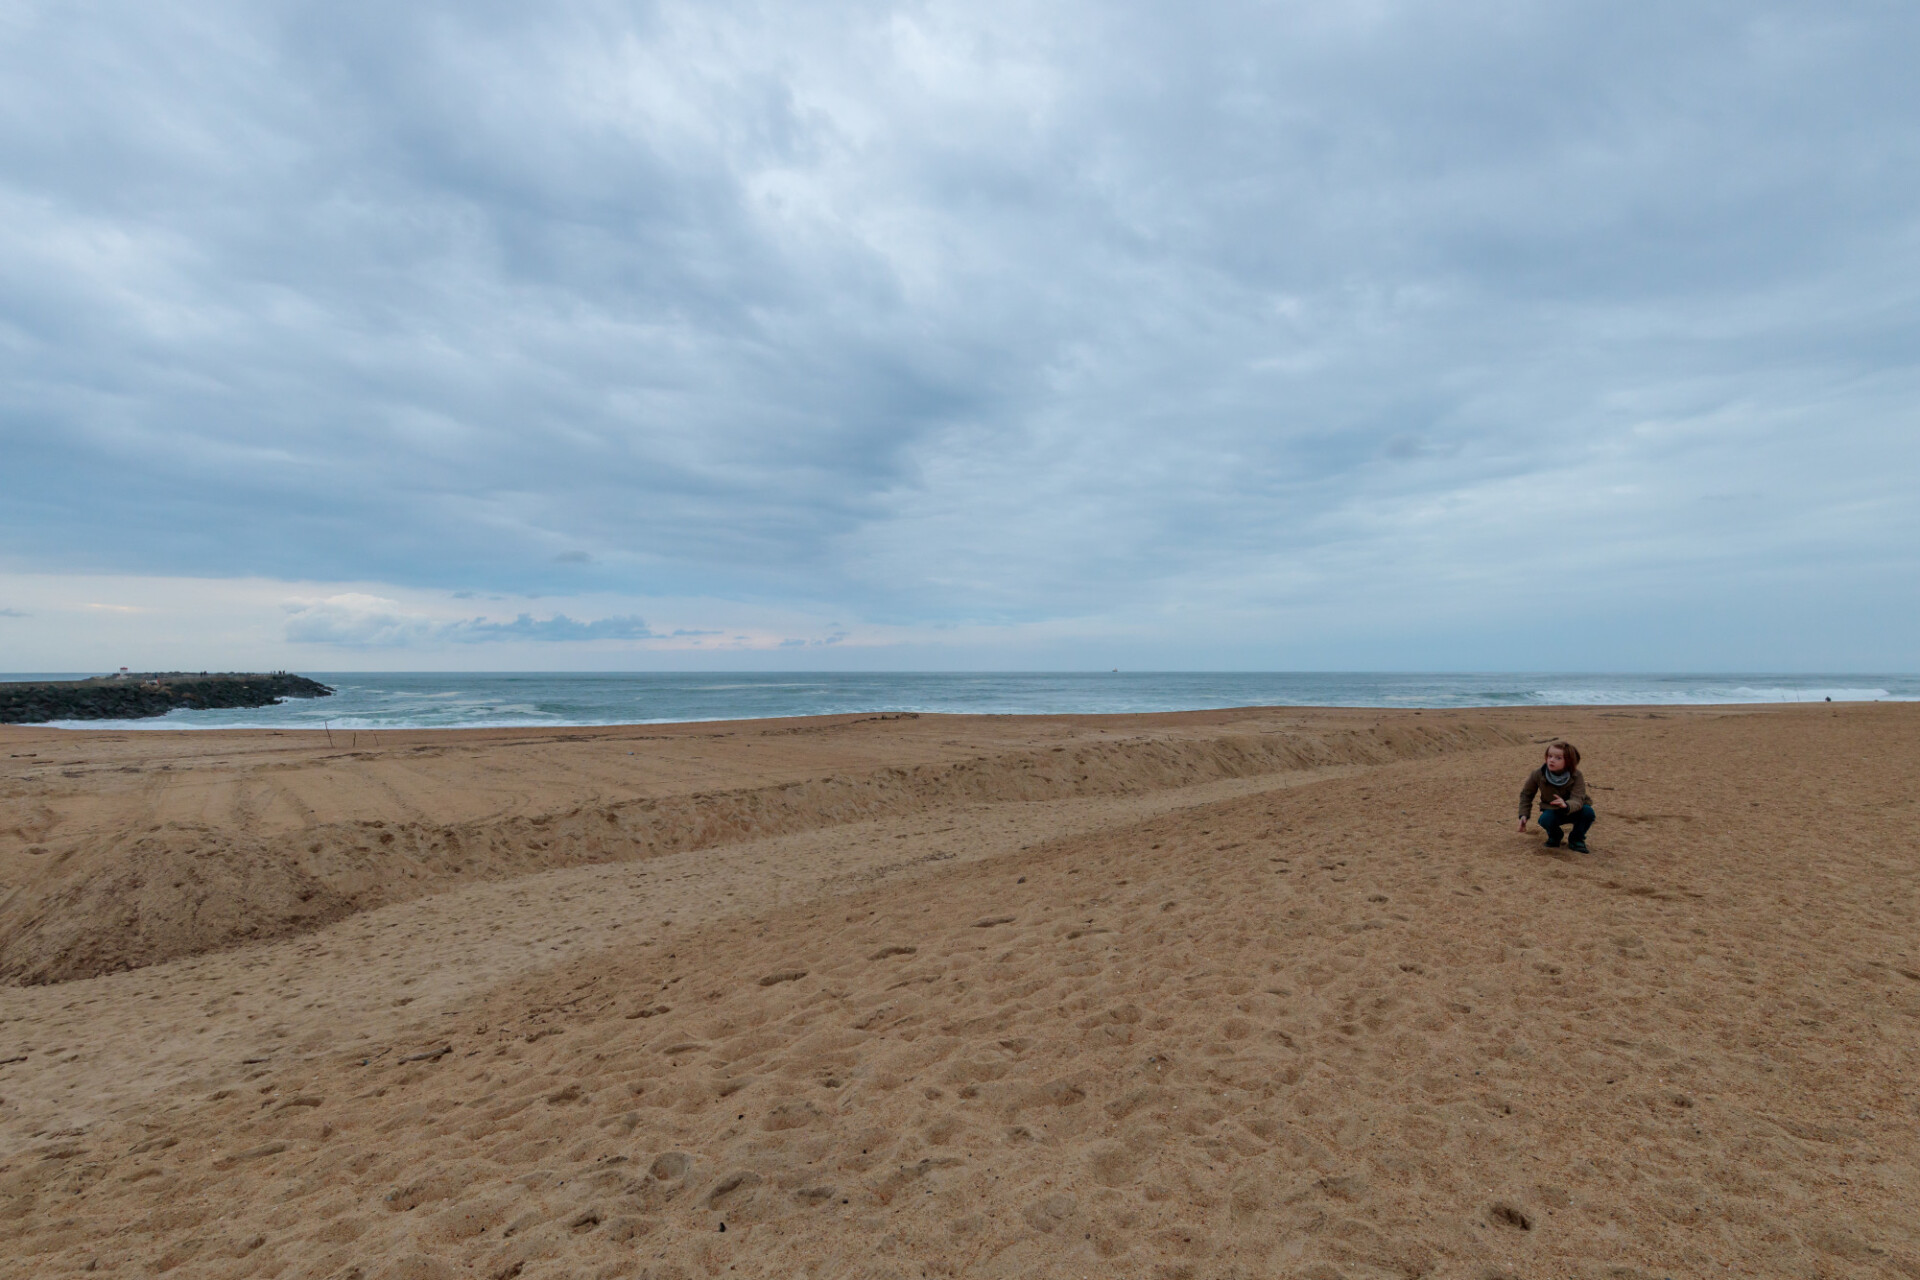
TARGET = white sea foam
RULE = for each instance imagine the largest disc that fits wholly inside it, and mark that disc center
(458, 700)
(1711, 696)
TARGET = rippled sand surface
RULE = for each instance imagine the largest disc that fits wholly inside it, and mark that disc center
(1240, 994)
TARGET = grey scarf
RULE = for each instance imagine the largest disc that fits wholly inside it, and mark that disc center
(1556, 779)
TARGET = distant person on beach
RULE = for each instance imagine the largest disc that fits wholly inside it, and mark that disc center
(1563, 797)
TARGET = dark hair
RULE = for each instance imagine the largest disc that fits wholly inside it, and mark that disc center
(1568, 752)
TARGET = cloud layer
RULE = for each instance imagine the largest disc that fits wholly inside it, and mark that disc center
(357, 621)
(1198, 329)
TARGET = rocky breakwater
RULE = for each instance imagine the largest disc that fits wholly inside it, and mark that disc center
(131, 697)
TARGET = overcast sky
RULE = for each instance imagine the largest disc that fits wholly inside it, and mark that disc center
(862, 335)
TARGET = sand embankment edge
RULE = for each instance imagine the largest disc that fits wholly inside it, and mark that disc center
(176, 889)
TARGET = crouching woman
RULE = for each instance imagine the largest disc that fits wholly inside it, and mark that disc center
(1563, 798)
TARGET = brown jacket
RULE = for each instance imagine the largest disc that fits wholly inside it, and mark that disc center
(1574, 793)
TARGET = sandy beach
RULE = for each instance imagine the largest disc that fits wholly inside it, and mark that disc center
(1227, 994)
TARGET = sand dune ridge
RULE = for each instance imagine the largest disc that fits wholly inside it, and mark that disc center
(183, 888)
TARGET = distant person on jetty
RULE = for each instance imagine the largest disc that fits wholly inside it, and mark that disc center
(1563, 797)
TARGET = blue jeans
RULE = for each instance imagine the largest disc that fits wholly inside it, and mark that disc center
(1551, 820)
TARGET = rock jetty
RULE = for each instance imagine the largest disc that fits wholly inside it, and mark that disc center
(132, 697)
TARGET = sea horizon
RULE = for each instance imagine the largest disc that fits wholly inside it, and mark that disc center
(519, 699)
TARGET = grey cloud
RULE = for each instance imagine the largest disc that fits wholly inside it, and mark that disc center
(821, 642)
(369, 623)
(995, 314)
(354, 627)
(558, 627)
(13, 613)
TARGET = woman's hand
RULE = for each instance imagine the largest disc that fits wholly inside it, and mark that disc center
(1558, 803)
(1523, 826)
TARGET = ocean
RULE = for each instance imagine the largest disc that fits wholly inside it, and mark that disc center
(462, 700)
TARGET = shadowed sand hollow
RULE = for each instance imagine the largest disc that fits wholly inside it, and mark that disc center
(1233, 995)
